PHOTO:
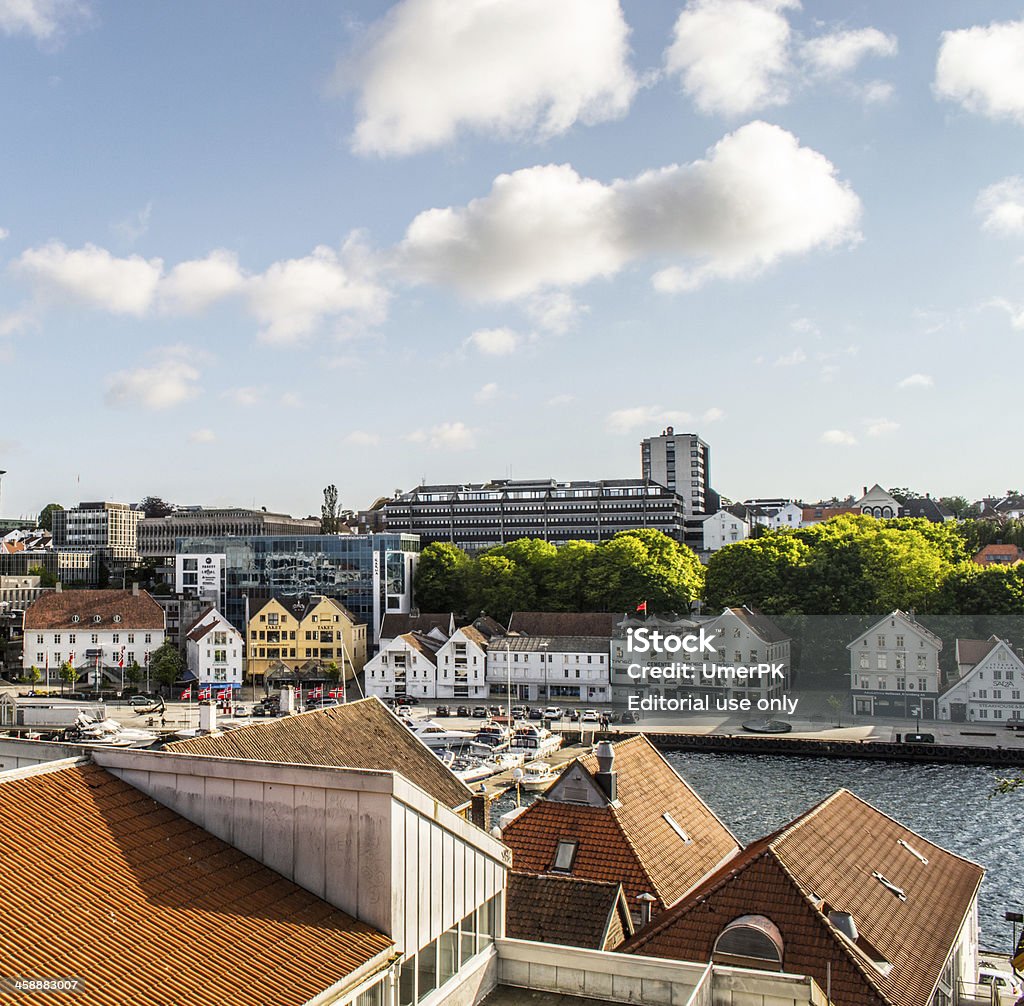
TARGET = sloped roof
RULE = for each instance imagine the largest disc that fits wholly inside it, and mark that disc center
(554, 644)
(907, 619)
(973, 651)
(144, 907)
(998, 554)
(831, 858)
(760, 624)
(564, 623)
(398, 625)
(117, 610)
(555, 908)
(630, 841)
(814, 514)
(363, 734)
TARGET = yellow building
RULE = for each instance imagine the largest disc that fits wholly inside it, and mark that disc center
(304, 639)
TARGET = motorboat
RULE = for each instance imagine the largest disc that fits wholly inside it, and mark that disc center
(495, 736)
(537, 777)
(535, 741)
(436, 736)
(109, 732)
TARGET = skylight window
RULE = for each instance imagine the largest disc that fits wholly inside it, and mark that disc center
(913, 852)
(565, 855)
(674, 825)
(889, 885)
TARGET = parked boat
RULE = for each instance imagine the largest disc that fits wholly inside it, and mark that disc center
(536, 741)
(537, 777)
(436, 736)
(109, 732)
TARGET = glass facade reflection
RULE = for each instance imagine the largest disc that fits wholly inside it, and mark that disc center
(338, 566)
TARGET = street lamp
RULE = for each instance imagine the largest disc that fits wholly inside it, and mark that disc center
(508, 678)
(916, 711)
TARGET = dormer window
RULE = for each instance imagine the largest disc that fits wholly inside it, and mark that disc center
(97, 618)
(117, 618)
(76, 618)
(565, 856)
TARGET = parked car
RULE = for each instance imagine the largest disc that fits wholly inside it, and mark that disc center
(1008, 985)
(536, 714)
(259, 709)
(552, 713)
(494, 710)
(480, 712)
(407, 700)
(140, 700)
(572, 715)
(628, 717)
(919, 738)
(520, 712)
(442, 711)
(591, 716)
(463, 711)
(240, 711)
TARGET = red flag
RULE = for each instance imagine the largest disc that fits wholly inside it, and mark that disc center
(316, 693)
(642, 606)
(120, 662)
(187, 694)
(224, 694)
(204, 693)
(335, 693)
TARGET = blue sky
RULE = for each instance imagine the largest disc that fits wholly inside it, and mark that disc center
(252, 249)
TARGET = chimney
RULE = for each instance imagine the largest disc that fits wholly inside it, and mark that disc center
(646, 907)
(865, 491)
(606, 775)
(207, 716)
(135, 589)
(480, 811)
(287, 700)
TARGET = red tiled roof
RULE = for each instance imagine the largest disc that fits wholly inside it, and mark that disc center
(973, 651)
(117, 610)
(827, 860)
(992, 554)
(363, 734)
(630, 842)
(144, 907)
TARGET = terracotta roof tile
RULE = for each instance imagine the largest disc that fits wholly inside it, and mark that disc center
(973, 651)
(58, 609)
(363, 734)
(565, 910)
(832, 853)
(146, 908)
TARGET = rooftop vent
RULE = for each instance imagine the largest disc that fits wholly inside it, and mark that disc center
(913, 852)
(675, 826)
(843, 921)
(889, 885)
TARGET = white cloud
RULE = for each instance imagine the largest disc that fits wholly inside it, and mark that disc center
(359, 438)
(169, 382)
(877, 92)
(982, 68)
(1015, 312)
(290, 400)
(133, 227)
(4, 233)
(712, 415)
(17, 321)
(838, 438)
(841, 51)
(559, 400)
(203, 436)
(916, 381)
(488, 393)
(643, 416)
(195, 284)
(93, 276)
(757, 197)
(44, 20)
(732, 56)
(1002, 206)
(293, 298)
(445, 436)
(881, 427)
(554, 312)
(791, 359)
(829, 372)
(516, 68)
(245, 397)
(494, 341)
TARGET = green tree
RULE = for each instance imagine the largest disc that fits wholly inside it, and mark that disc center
(835, 703)
(45, 518)
(68, 675)
(764, 572)
(440, 580)
(498, 586)
(536, 558)
(959, 506)
(153, 506)
(166, 665)
(33, 675)
(569, 576)
(46, 578)
(329, 511)
(133, 674)
(969, 589)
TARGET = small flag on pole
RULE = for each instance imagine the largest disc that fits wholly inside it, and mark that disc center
(187, 693)
(316, 693)
(642, 606)
(120, 661)
(204, 693)
(223, 695)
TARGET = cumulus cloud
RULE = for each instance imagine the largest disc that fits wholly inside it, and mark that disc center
(488, 393)
(877, 92)
(203, 436)
(982, 68)
(359, 438)
(445, 437)
(515, 68)
(495, 341)
(43, 20)
(245, 397)
(712, 415)
(881, 427)
(841, 51)
(791, 359)
(732, 56)
(757, 197)
(293, 298)
(169, 382)
(1002, 206)
(560, 400)
(193, 285)
(838, 438)
(643, 416)
(134, 226)
(4, 233)
(1015, 312)
(554, 312)
(93, 276)
(917, 381)
(290, 400)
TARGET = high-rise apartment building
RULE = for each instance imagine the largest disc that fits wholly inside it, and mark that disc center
(106, 528)
(680, 462)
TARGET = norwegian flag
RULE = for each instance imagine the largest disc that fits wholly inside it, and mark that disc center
(187, 693)
(336, 693)
(71, 658)
(120, 662)
(204, 693)
(223, 695)
(316, 693)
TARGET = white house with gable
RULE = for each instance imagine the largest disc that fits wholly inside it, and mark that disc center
(990, 687)
(406, 666)
(723, 528)
(213, 651)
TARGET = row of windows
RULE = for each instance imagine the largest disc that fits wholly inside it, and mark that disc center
(899, 661)
(94, 637)
(901, 684)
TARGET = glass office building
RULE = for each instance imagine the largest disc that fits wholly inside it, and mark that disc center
(371, 574)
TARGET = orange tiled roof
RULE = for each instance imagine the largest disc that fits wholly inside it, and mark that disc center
(58, 609)
(632, 842)
(363, 734)
(831, 853)
(147, 908)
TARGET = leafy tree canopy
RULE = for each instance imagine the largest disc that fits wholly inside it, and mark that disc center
(45, 518)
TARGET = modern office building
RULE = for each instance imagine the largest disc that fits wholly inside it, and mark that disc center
(107, 528)
(478, 516)
(371, 574)
(680, 462)
(157, 535)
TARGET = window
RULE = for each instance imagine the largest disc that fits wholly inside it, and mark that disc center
(71, 637)
(94, 638)
(148, 638)
(883, 661)
(565, 856)
(881, 641)
(131, 637)
(674, 825)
